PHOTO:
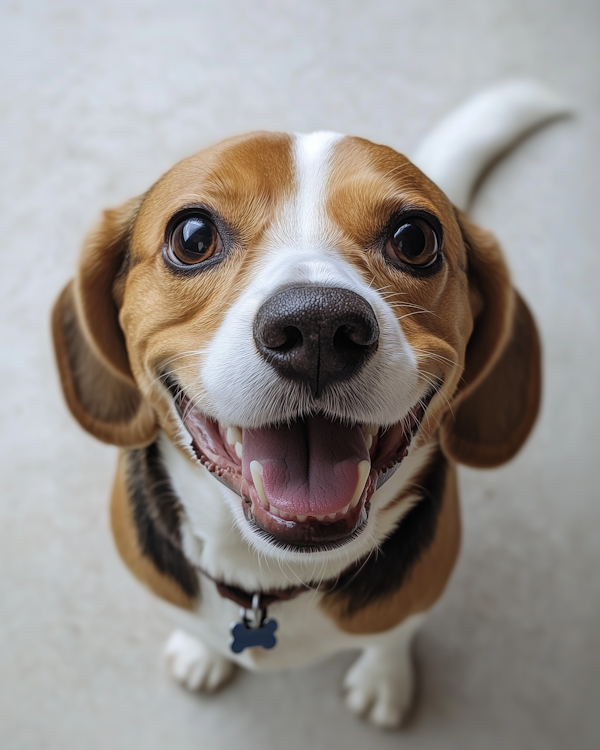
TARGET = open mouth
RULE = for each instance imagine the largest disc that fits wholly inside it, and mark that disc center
(305, 484)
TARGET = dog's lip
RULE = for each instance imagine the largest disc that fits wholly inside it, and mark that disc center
(219, 453)
(309, 536)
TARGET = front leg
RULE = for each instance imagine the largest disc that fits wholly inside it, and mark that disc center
(380, 683)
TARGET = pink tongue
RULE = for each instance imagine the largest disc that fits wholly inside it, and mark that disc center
(309, 467)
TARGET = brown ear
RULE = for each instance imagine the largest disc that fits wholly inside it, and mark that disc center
(89, 344)
(497, 405)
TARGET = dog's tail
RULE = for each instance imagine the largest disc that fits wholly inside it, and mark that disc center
(464, 144)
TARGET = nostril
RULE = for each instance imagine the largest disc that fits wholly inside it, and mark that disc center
(347, 339)
(278, 337)
(358, 334)
(291, 337)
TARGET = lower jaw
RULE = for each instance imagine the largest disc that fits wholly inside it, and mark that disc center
(311, 535)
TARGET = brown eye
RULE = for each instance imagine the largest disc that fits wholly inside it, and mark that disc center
(414, 242)
(194, 240)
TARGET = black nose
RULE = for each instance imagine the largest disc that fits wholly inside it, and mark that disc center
(318, 335)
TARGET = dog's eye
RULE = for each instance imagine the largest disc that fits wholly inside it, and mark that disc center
(194, 240)
(415, 242)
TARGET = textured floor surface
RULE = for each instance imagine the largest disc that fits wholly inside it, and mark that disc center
(95, 103)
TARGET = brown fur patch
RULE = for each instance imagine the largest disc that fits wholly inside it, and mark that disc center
(499, 396)
(126, 540)
(425, 582)
(105, 403)
(489, 426)
(104, 252)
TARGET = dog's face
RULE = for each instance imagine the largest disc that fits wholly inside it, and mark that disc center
(307, 309)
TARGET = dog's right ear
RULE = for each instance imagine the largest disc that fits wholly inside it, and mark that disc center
(496, 404)
(90, 346)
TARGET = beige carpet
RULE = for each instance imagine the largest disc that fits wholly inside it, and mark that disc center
(96, 101)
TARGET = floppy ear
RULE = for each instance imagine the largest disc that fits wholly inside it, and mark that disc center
(498, 402)
(89, 344)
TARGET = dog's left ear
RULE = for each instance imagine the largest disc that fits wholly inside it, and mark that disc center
(89, 343)
(498, 401)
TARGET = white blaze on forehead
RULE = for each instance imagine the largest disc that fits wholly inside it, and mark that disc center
(303, 223)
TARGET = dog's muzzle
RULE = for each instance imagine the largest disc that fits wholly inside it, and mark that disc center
(306, 483)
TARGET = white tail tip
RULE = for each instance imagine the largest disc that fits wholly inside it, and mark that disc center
(458, 150)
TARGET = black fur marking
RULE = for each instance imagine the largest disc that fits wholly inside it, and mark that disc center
(384, 572)
(157, 512)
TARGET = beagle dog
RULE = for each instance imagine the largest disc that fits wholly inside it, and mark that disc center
(294, 339)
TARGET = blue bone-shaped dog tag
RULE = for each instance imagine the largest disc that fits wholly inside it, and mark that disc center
(243, 636)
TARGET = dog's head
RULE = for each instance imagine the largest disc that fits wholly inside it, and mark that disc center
(303, 308)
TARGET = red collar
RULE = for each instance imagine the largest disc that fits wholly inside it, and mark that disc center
(244, 598)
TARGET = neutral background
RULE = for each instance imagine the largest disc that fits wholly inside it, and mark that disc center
(96, 101)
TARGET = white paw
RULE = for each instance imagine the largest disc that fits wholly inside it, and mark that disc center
(378, 689)
(194, 665)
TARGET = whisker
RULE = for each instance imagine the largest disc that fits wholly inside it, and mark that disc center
(416, 312)
(433, 355)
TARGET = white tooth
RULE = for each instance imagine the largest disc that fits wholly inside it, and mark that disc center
(332, 515)
(369, 441)
(256, 470)
(320, 518)
(364, 467)
(274, 511)
(284, 515)
(234, 435)
(343, 511)
(301, 519)
(368, 429)
(239, 449)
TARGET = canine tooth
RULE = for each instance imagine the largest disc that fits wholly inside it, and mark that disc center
(234, 435)
(274, 511)
(320, 518)
(256, 470)
(369, 441)
(301, 519)
(239, 449)
(368, 429)
(364, 467)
